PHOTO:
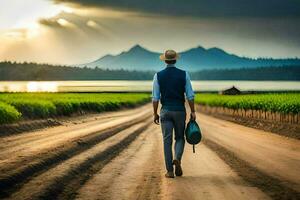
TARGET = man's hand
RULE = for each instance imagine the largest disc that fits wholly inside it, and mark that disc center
(155, 115)
(156, 119)
(193, 116)
(192, 106)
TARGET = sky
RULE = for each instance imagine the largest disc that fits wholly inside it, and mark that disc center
(79, 31)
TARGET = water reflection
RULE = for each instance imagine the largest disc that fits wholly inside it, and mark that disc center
(31, 86)
(138, 86)
(41, 87)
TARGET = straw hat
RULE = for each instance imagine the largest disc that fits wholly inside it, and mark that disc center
(169, 55)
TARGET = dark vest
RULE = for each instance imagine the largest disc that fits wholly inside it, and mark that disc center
(171, 82)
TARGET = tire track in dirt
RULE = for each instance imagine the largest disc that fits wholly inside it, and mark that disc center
(34, 125)
(274, 155)
(61, 181)
(14, 180)
(16, 143)
(135, 174)
(268, 184)
(18, 176)
(127, 163)
(206, 176)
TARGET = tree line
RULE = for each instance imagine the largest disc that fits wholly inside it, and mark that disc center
(13, 71)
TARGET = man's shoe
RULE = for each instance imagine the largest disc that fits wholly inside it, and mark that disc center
(178, 169)
(169, 175)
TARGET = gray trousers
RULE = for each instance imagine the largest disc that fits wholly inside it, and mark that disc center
(172, 120)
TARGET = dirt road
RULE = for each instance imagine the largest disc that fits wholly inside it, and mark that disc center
(118, 155)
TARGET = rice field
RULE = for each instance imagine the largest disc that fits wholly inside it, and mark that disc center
(281, 106)
(16, 106)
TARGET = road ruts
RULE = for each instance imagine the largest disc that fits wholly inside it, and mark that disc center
(54, 146)
(135, 174)
(275, 155)
(121, 157)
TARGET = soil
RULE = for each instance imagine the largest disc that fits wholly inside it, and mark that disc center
(274, 187)
(281, 128)
(120, 156)
(30, 125)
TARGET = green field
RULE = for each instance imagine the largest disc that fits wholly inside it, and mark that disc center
(15, 106)
(285, 103)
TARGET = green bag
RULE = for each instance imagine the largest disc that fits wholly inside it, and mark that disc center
(193, 133)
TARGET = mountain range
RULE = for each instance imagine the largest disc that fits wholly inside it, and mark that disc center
(195, 59)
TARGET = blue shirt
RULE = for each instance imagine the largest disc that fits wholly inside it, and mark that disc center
(189, 93)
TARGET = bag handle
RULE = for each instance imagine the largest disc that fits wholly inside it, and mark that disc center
(191, 118)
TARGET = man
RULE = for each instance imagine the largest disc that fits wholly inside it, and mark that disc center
(170, 86)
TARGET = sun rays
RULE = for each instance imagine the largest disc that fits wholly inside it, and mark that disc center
(76, 31)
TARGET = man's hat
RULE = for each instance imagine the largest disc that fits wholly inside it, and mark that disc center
(169, 55)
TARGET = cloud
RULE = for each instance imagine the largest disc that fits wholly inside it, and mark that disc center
(81, 27)
(62, 20)
(92, 24)
(201, 8)
(51, 22)
(86, 30)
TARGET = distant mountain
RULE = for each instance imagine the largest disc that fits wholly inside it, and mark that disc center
(199, 58)
(136, 58)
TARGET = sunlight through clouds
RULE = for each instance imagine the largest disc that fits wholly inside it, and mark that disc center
(78, 31)
(64, 22)
(24, 14)
(102, 30)
(21, 34)
(16, 24)
(66, 9)
(92, 24)
(15, 34)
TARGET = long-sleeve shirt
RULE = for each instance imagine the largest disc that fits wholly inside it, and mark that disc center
(189, 93)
